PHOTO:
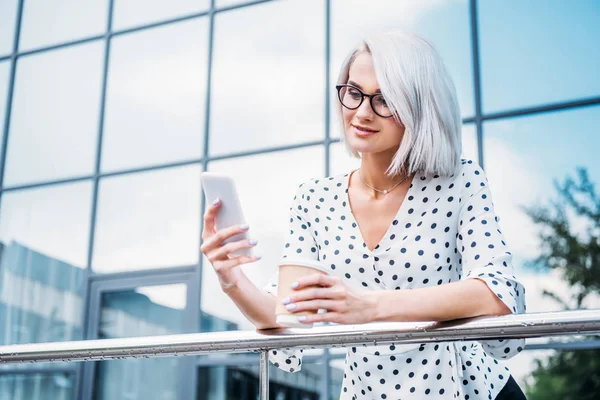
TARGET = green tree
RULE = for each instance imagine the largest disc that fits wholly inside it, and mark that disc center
(570, 236)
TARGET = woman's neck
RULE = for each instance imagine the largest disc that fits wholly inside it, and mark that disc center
(373, 171)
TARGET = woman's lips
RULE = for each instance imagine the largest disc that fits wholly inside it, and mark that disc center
(363, 132)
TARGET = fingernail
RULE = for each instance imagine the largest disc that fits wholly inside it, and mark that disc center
(244, 227)
(285, 301)
(252, 242)
(291, 307)
(258, 256)
(217, 201)
(302, 318)
(294, 285)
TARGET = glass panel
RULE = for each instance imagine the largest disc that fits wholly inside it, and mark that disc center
(227, 3)
(56, 386)
(51, 22)
(8, 17)
(336, 369)
(4, 78)
(128, 13)
(266, 208)
(523, 158)
(148, 220)
(444, 23)
(145, 311)
(242, 383)
(43, 248)
(556, 47)
(62, 90)
(469, 143)
(268, 79)
(342, 162)
(156, 96)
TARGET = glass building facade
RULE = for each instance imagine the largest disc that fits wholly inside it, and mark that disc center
(111, 109)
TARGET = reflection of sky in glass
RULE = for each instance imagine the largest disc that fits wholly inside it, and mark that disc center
(523, 157)
(8, 12)
(266, 185)
(268, 76)
(534, 53)
(4, 77)
(227, 3)
(171, 296)
(469, 143)
(54, 122)
(128, 13)
(51, 220)
(52, 22)
(148, 220)
(444, 23)
(156, 96)
(60, 386)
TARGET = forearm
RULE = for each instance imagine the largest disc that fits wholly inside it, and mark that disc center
(468, 298)
(256, 305)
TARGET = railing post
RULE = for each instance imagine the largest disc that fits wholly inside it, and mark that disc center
(264, 375)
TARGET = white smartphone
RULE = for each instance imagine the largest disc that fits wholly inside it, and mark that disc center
(218, 186)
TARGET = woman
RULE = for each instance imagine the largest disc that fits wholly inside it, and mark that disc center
(409, 236)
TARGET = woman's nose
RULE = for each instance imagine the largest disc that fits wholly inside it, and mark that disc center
(365, 111)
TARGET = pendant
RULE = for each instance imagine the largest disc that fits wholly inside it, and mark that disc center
(385, 192)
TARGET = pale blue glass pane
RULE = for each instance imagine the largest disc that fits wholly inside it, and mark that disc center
(148, 220)
(128, 13)
(266, 185)
(523, 157)
(54, 386)
(538, 52)
(445, 24)
(145, 311)
(227, 3)
(8, 18)
(51, 22)
(44, 241)
(156, 96)
(268, 76)
(54, 122)
(4, 77)
(469, 143)
(341, 162)
(336, 370)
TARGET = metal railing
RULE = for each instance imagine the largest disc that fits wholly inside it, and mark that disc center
(579, 322)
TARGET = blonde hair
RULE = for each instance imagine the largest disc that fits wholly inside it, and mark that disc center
(420, 92)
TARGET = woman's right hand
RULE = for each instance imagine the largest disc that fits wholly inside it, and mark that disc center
(225, 264)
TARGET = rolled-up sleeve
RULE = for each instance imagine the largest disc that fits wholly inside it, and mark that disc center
(485, 255)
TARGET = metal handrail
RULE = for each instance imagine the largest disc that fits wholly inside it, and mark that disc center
(578, 322)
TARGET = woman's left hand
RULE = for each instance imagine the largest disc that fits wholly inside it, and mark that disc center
(344, 305)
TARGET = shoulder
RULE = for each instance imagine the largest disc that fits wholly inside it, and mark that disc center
(472, 180)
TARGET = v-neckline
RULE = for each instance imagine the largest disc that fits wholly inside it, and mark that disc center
(397, 216)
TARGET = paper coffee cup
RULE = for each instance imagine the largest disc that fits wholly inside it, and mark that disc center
(289, 274)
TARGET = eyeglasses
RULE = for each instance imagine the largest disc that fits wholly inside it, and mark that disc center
(352, 97)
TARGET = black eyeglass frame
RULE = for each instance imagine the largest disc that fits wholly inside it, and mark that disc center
(370, 96)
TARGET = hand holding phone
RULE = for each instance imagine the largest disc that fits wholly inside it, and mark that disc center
(222, 187)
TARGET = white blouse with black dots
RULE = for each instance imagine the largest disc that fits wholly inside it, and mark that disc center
(445, 231)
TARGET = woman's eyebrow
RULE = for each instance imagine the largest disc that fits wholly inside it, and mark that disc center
(360, 87)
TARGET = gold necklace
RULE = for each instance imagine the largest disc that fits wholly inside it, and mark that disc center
(379, 190)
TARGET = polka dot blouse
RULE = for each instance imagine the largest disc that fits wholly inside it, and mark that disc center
(445, 231)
